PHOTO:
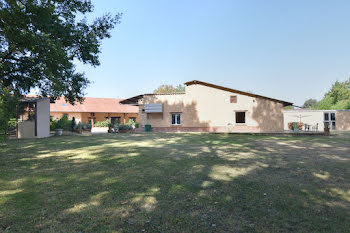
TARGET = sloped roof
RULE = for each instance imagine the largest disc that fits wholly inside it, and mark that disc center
(134, 100)
(194, 82)
(91, 104)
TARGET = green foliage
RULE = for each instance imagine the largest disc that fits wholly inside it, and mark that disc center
(9, 106)
(125, 127)
(63, 123)
(102, 124)
(131, 122)
(288, 107)
(39, 40)
(310, 103)
(338, 97)
(169, 89)
(83, 126)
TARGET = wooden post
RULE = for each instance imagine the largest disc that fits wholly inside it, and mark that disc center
(92, 120)
(36, 118)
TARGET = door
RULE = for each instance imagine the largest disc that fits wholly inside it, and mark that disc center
(329, 120)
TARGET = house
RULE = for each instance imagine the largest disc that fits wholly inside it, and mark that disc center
(92, 110)
(206, 107)
(35, 121)
(318, 119)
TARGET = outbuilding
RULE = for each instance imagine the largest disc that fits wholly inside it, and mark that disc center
(35, 121)
(206, 107)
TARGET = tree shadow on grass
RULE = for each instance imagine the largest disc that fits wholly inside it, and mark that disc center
(176, 183)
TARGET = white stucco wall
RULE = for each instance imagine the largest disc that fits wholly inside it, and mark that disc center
(310, 117)
(43, 118)
(26, 129)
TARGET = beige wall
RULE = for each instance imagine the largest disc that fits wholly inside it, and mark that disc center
(26, 129)
(203, 106)
(58, 115)
(342, 119)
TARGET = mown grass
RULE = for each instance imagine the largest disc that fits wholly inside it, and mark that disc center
(175, 183)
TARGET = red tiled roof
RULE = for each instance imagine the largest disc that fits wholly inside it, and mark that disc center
(90, 104)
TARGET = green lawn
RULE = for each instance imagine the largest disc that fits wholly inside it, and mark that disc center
(175, 183)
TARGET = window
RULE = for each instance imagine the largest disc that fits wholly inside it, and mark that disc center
(176, 118)
(133, 119)
(332, 116)
(329, 120)
(326, 116)
(333, 125)
(115, 120)
(240, 117)
(233, 99)
(92, 118)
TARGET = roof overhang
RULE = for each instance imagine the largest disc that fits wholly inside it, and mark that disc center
(31, 99)
(194, 82)
(132, 101)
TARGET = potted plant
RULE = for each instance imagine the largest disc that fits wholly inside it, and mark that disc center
(58, 132)
(326, 130)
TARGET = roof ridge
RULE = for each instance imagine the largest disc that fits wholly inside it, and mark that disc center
(194, 82)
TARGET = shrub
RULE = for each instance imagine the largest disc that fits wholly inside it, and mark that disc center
(299, 125)
(126, 127)
(102, 123)
(63, 123)
(12, 124)
(84, 126)
(133, 123)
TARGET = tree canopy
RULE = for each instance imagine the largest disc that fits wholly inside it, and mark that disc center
(169, 89)
(40, 40)
(310, 103)
(338, 97)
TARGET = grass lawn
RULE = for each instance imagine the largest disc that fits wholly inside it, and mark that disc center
(175, 183)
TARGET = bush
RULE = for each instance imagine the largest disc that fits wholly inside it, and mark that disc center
(102, 123)
(299, 125)
(63, 123)
(12, 125)
(125, 127)
(3, 137)
(83, 126)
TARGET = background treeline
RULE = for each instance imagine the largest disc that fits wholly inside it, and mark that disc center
(338, 97)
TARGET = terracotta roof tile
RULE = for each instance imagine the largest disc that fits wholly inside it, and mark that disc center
(90, 104)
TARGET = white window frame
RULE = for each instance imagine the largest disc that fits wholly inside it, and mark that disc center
(330, 122)
(176, 118)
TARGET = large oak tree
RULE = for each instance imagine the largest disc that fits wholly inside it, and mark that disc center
(40, 40)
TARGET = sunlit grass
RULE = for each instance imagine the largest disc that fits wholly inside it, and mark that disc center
(175, 183)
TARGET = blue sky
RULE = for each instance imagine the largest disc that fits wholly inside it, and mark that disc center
(290, 50)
